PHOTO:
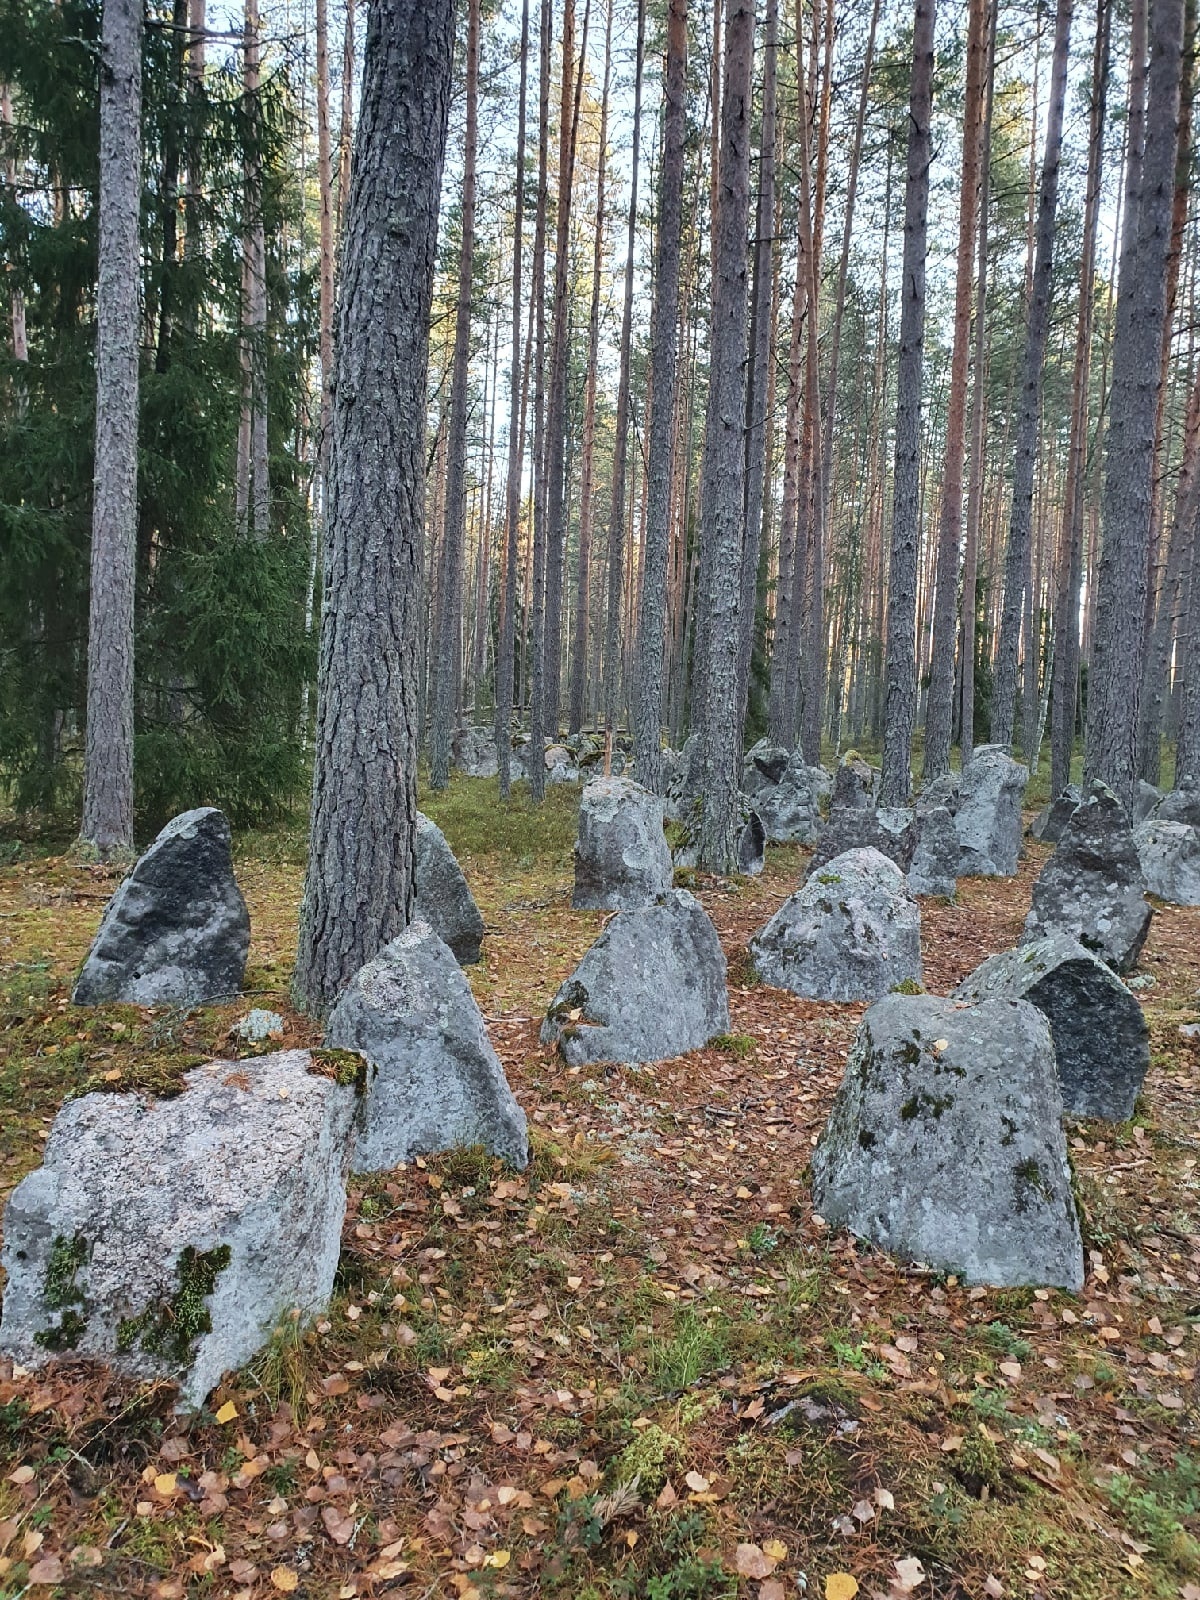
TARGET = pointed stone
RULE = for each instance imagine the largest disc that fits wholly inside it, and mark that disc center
(622, 858)
(443, 897)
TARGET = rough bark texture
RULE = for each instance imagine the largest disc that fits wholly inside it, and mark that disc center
(537, 608)
(724, 461)
(648, 676)
(448, 629)
(108, 749)
(253, 491)
(359, 889)
(901, 706)
(1025, 451)
(1116, 663)
(939, 715)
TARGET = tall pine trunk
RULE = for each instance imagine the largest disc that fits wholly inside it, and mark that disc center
(358, 891)
(537, 603)
(253, 490)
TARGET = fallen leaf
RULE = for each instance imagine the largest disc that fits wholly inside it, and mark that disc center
(22, 1475)
(752, 1562)
(164, 1483)
(840, 1586)
(498, 1558)
(33, 1541)
(885, 1500)
(697, 1482)
(48, 1570)
(994, 1588)
(772, 1590)
(227, 1412)
(776, 1549)
(910, 1574)
(285, 1580)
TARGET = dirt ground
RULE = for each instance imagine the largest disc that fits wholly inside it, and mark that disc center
(641, 1368)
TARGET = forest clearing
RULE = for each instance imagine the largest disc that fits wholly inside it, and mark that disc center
(609, 1374)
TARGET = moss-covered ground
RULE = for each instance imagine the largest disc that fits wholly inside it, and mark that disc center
(642, 1368)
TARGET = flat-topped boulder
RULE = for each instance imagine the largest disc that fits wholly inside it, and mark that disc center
(650, 988)
(889, 829)
(988, 817)
(167, 1238)
(1050, 821)
(1092, 888)
(852, 932)
(177, 931)
(1101, 1041)
(443, 897)
(945, 1144)
(1169, 853)
(622, 858)
(434, 1081)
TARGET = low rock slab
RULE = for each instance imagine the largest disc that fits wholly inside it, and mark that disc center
(853, 932)
(168, 1237)
(1169, 853)
(650, 988)
(1180, 805)
(945, 1145)
(1101, 1040)
(1092, 888)
(177, 931)
(443, 898)
(988, 818)
(434, 1080)
(622, 858)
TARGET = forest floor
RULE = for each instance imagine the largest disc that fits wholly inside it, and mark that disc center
(643, 1367)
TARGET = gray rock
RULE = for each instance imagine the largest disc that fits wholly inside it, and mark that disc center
(434, 1081)
(851, 933)
(889, 829)
(443, 897)
(473, 751)
(1101, 1040)
(1092, 887)
(763, 766)
(790, 809)
(1050, 821)
(622, 858)
(988, 818)
(687, 779)
(751, 845)
(854, 782)
(176, 932)
(945, 1145)
(1180, 805)
(650, 988)
(1146, 801)
(944, 791)
(1169, 853)
(258, 1025)
(933, 868)
(168, 1238)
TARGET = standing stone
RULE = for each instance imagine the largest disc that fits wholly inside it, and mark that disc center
(1180, 805)
(988, 818)
(933, 868)
(687, 779)
(176, 932)
(945, 1144)
(889, 829)
(1146, 801)
(622, 858)
(1169, 853)
(851, 933)
(434, 1080)
(650, 988)
(1092, 887)
(1101, 1040)
(474, 752)
(1050, 821)
(854, 782)
(763, 766)
(443, 897)
(751, 845)
(168, 1238)
(945, 790)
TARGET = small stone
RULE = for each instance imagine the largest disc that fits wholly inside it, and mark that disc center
(177, 931)
(953, 1159)
(1169, 853)
(435, 1082)
(852, 932)
(168, 1237)
(650, 988)
(1092, 887)
(443, 897)
(988, 818)
(259, 1025)
(622, 858)
(1101, 1041)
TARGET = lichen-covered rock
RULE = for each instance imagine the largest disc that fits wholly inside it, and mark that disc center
(168, 1237)
(854, 782)
(851, 933)
(1180, 805)
(988, 818)
(933, 868)
(1092, 888)
(435, 1082)
(1169, 853)
(790, 806)
(751, 845)
(443, 897)
(651, 987)
(177, 931)
(945, 1145)
(763, 766)
(1050, 821)
(889, 829)
(1101, 1040)
(473, 751)
(622, 858)
(943, 791)
(687, 778)
(1146, 801)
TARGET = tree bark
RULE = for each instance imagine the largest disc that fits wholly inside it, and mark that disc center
(648, 675)
(1116, 664)
(1025, 451)
(901, 666)
(449, 620)
(346, 128)
(253, 483)
(939, 716)
(537, 606)
(108, 748)
(359, 886)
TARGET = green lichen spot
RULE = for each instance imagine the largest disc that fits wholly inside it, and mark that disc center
(828, 877)
(923, 1104)
(65, 1336)
(344, 1067)
(909, 986)
(171, 1330)
(66, 1258)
